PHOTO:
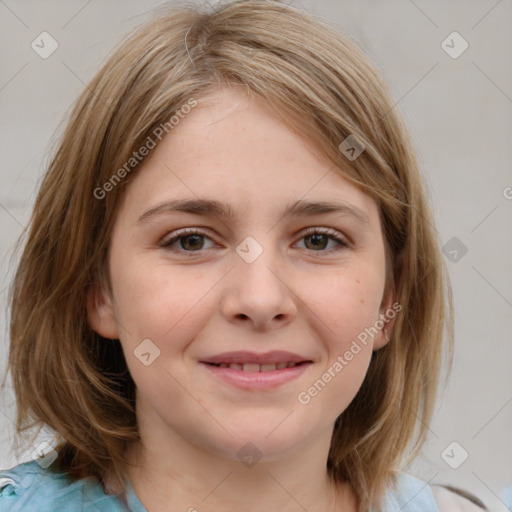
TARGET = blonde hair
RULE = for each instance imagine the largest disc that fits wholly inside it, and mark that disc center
(307, 71)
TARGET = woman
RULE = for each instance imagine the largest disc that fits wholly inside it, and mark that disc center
(231, 294)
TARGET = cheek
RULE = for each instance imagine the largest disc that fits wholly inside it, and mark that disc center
(155, 302)
(140, 299)
(343, 314)
(347, 303)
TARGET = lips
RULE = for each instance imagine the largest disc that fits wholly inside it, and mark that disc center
(252, 362)
(254, 372)
(255, 367)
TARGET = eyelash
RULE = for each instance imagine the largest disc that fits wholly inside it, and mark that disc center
(342, 244)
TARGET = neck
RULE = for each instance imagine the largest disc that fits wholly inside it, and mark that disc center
(178, 476)
(178, 469)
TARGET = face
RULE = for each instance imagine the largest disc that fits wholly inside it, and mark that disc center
(192, 287)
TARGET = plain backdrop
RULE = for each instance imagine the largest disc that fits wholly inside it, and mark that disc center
(457, 103)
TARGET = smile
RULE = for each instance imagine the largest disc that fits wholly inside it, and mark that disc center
(256, 377)
(255, 367)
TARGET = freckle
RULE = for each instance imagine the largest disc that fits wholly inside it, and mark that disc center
(362, 301)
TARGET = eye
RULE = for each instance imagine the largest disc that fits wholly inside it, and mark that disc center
(191, 240)
(318, 238)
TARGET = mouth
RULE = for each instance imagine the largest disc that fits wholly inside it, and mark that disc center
(256, 372)
(255, 367)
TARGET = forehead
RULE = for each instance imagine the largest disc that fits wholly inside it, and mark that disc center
(234, 150)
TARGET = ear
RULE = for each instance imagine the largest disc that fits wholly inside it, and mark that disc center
(100, 313)
(388, 311)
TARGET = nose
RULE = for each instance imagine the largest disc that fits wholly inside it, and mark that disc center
(259, 293)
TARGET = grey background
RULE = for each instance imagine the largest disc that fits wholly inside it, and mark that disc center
(459, 112)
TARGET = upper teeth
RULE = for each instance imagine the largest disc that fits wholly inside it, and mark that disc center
(255, 367)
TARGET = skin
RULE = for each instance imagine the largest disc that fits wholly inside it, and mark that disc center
(307, 299)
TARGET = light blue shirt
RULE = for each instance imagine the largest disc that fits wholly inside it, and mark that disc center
(508, 497)
(30, 488)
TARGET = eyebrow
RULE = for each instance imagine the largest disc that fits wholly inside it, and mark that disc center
(225, 211)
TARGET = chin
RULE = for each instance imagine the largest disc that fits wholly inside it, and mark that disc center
(265, 442)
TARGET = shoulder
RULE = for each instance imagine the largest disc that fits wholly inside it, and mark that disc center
(28, 487)
(449, 501)
(411, 494)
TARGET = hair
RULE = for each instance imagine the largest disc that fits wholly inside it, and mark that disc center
(69, 378)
